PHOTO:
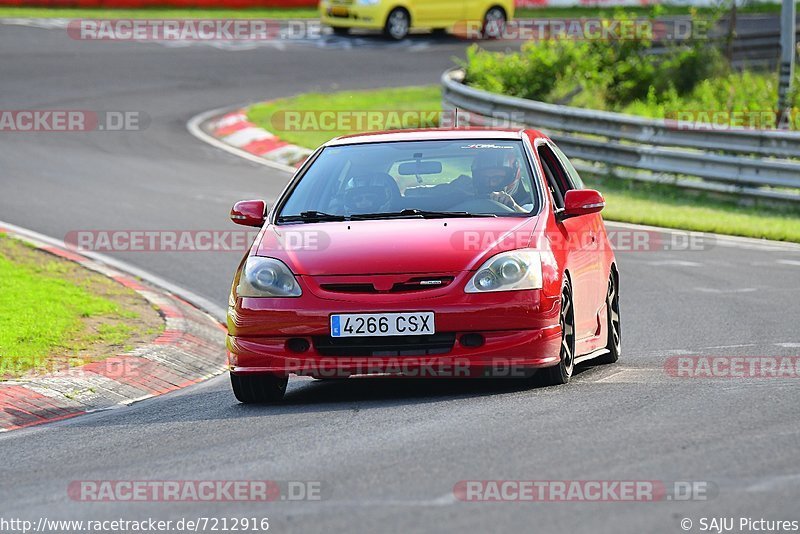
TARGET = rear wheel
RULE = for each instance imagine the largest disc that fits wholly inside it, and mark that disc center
(613, 322)
(561, 373)
(258, 389)
(398, 24)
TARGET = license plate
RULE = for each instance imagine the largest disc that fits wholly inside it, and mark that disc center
(382, 324)
(338, 11)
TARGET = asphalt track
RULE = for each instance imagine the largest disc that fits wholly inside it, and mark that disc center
(388, 452)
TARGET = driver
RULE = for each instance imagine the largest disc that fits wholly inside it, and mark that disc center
(498, 178)
(368, 193)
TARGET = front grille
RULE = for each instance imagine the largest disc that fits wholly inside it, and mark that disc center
(385, 346)
(349, 288)
(415, 284)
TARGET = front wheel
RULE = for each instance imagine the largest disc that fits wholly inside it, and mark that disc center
(561, 373)
(258, 389)
(398, 24)
(613, 324)
(339, 30)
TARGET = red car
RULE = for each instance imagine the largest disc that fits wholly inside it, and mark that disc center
(440, 253)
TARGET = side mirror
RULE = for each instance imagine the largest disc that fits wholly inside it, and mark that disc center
(249, 212)
(579, 202)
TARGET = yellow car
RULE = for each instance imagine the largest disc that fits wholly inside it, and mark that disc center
(397, 17)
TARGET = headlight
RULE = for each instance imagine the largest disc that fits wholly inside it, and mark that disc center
(267, 277)
(508, 271)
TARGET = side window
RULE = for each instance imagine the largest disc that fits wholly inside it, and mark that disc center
(557, 180)
(574, 177)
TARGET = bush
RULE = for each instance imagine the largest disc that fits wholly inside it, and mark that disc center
(621, 75)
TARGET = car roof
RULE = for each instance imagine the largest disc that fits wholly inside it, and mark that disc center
(431, 134)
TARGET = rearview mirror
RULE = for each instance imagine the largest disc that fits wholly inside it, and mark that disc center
(249, 212)
(417, 168)
(579, 202)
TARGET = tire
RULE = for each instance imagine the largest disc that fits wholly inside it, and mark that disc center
(398, 24)
(613, 324)
(561, 373)
(494, 21)
(258, 389)
(339, 30)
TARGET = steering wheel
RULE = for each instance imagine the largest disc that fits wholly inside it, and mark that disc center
(481, 205)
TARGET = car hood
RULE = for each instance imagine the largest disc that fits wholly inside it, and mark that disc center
(393, 246)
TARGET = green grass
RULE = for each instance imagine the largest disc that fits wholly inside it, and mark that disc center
(663, 205)
(146, 13)
(626, 201)
(271, 115)
(43, 308)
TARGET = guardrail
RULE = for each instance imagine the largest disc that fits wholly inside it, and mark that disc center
(747, 162)
(756, 42)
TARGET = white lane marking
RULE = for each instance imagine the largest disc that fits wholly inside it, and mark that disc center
(775, 482)
(729, 346)
(54, 23)
(448, 499)
(194, 128)
(679, 263)
(665, 352)
(631, 375)
(788, 345)
(611, 376)
(789, 262)
(725, 291)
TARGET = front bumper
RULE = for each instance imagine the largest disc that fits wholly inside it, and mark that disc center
(519, 330)
(352, 16)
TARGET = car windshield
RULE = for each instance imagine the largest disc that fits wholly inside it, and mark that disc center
(450, 178)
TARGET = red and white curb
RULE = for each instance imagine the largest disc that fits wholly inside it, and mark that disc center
(232, 129)
(191, 349)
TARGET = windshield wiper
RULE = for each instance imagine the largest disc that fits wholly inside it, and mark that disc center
(311, 216)
(420, 214)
